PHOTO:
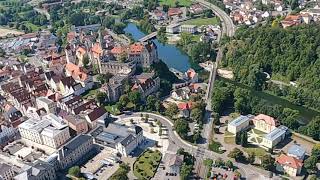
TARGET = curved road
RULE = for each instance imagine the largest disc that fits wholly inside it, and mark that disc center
(247, 171)
(228, 28)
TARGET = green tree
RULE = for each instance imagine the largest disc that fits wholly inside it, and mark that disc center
(185, 171)
(134, 97)
(294, 4)
(251, 157)
(185, 39)
(290, 118)
(312, 129)
(151, 102)
(182, 128)
(244, 139)
(208, 162)
(172, 110)
(74, 171)
(311, 164)
(316, 150)
(121, 173)
(267, 162)
(123, 57)
(219, 162)
(86, 61)
(196, 114)
(236, 154)
(104, 78)
(101, 97)
(229, 164)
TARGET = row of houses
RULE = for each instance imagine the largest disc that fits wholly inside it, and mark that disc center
(306, 16)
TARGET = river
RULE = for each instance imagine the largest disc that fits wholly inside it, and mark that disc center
(169, 54)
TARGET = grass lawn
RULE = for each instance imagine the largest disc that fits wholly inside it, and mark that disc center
(260, 133)
(32, 26)
(112, 109)
(90, 94)
(230, 140)
(171, 3)
(202, 21)
(146, 165)
(259, 152)
(196, 37)
(215, 147)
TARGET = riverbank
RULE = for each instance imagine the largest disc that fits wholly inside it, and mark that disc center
(306, 113)
(168, 53)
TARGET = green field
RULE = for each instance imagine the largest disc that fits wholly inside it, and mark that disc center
(202, 21)
(171, 3)
(146, 165)
(259, 152)
(112, 109)
(215, 147)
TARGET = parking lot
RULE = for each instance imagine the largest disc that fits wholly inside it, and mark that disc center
(102, 166)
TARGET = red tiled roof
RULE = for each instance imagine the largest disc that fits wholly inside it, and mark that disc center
(289, 161)
(185, 105)
(96, 48)
(174, 11)
(191, 73)
(76, 72)
(81, 50)
(267, 119)
(118, 50)
(136, 48)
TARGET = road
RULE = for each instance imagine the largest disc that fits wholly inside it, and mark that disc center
(247, 171)
(228, 28)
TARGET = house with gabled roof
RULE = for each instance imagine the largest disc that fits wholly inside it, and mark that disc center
(146, 84)
(185, 108)
(289, 165)
(265, 123)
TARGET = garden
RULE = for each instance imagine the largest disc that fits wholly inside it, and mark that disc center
(146, 165)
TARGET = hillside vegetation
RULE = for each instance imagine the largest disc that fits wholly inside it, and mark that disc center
(292, 54)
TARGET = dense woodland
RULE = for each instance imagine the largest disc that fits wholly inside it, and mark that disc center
(243, 101)
(291, 54)
(21, 16)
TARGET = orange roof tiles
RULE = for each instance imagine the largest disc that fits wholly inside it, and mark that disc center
(185, 105)
(289, 161)
(76, 72)
(136, 48)
(191, 73)
(174, 11)
(96, 48)
(292, 18)
(81, 50)
(267, 119)
(118, 50)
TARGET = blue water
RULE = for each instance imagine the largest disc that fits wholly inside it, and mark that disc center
(169, 54)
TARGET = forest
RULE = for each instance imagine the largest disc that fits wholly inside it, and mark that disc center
(21, 16)
(243, 101)
(290, 55)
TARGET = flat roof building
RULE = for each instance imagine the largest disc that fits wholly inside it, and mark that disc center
(239, 124)
(274, 137)
(123, 139)
(296, 151)
(51, 130)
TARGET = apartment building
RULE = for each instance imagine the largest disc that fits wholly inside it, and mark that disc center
(123, 139)
(39, 170)
(51, 131)
(6, 171)
(74, 151)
